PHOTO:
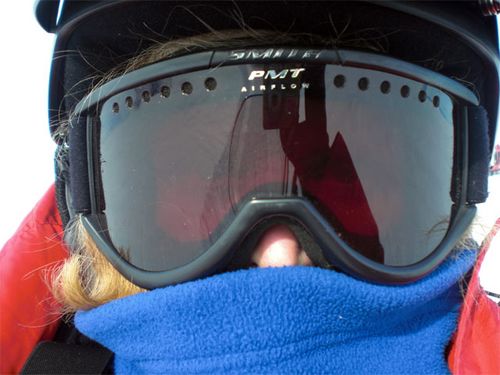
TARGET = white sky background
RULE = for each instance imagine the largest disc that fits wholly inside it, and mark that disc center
(26, 149)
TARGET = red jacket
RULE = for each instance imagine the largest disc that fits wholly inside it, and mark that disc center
(29, 314)
(476, 344)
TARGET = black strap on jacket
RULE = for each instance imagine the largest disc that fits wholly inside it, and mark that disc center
(70, 353)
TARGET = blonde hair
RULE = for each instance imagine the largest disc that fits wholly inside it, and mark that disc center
(87, 279)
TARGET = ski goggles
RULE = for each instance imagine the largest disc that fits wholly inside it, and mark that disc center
(173, 166)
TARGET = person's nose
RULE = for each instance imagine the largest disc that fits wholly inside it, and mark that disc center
(278, 247)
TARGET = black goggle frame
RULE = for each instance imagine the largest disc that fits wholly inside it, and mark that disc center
(85, 191)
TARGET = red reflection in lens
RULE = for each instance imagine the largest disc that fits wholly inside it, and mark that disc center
(196, 202)
(181, 216)
(192, 203)
(187, 214)
(328, 177)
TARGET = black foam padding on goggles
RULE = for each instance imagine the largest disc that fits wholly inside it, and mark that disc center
(78, 166)
(477, 181)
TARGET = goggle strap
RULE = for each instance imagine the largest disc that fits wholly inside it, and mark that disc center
(479, 156)
(311, 247)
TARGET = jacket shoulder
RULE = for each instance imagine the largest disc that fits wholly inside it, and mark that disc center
(29, 313)
(476, 342)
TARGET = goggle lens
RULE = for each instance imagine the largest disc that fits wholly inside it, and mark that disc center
(372, 151)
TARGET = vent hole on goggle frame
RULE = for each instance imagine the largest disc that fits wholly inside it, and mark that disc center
(115, 108)
(210, 84)
(385, 87)
(435, 101)
(405, 91)
(422, 96)
(339, 81)
(363, 84)
(165, 91)
(129, 102)
(146, 96)
(186, 88)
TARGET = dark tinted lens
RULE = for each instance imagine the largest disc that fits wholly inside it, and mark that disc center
(177, 168)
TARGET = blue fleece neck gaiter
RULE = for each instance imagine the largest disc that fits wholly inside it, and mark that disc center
(284, 320)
